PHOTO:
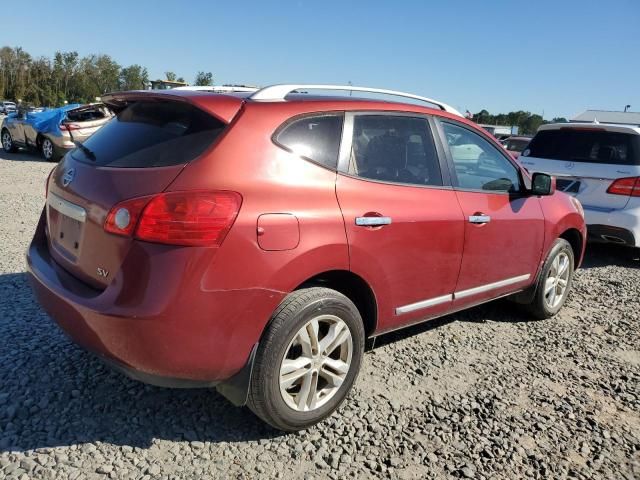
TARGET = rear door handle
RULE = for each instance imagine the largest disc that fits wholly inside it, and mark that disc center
(479, 218)
(372, 221)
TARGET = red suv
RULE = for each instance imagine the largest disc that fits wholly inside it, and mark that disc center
(253, 241)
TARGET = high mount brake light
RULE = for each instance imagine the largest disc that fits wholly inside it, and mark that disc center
(584, 129)
(629, 186)
(193, 218)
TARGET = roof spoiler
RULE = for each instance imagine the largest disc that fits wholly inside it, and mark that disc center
(223, 107)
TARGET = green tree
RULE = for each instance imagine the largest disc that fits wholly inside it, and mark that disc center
(204, 79)
(531, 124)
(170, 76)
(107, 74)
(482, 116)
(134, 77)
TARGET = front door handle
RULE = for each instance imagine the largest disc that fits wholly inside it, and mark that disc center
(479, 218)
(372, 221)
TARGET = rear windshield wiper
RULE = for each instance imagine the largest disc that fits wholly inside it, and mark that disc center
(89, 154)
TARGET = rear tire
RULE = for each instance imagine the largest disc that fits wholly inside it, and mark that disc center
(307, 360)
(7, 142)
(48, 150)
(554, 282)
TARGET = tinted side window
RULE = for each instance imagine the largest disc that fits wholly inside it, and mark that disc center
(517, 145)
(478, 164)
(590, 146)
(151, 134)
(316, 138)
(394, 149)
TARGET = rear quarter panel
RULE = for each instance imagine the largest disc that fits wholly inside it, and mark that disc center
(271, 181)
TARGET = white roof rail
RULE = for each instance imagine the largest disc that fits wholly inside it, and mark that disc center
(279, 92)
(217, 88)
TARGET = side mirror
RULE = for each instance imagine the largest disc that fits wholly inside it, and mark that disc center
(543, 184)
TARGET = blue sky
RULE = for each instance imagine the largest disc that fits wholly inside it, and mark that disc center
(558, 57)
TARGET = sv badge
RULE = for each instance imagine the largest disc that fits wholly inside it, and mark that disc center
(102, 272)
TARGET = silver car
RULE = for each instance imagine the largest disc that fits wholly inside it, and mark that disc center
(53, 132)
(7, 107)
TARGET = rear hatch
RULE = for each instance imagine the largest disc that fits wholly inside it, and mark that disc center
(138, 153)
(586, 161)
(84, 121)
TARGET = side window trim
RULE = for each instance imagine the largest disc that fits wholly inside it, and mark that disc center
(295, 118)
(444, 145)
(346, 144)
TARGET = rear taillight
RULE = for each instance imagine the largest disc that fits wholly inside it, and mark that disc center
(70, 126)
(629, 186)
(195, 218)
(122, 218)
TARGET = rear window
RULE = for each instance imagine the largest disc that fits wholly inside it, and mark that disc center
(589, 146)
(316, 138)
(87, 115)
(151, 134)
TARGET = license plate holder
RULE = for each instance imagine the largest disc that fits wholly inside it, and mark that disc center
(66, 221)
(69, 233)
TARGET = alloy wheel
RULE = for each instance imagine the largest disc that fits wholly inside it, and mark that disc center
(557, 281)
(47, 148)
(316, 363)
(6, 141)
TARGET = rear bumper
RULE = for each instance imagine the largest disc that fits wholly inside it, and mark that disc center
(615, 226)
(159, 328)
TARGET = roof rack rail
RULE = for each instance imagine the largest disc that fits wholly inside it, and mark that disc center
(279, 92)
(217, 88)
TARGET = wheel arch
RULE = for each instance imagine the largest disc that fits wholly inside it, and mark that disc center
(574, 237)
(345, 282)
(355, 288)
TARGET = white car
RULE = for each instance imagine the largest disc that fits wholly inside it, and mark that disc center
(599, 164)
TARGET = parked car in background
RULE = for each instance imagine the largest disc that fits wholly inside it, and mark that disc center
(7, 107)
(55, 131)
(254, 241)
(515, 145)
(599, 164)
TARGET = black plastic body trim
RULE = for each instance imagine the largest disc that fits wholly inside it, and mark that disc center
(234, 389)
(597, 233)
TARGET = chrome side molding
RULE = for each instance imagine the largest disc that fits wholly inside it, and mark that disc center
(491, 286)
(430, 302)
(424, 304)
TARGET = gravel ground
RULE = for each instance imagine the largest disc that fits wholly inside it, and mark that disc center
(481, 394)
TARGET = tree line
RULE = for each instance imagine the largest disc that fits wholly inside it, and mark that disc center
(526, 122)
(49, 82)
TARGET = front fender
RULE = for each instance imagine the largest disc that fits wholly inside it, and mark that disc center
(560, 215)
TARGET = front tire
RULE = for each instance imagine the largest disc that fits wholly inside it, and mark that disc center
(307, 360)
(554, 282)
(7, 142)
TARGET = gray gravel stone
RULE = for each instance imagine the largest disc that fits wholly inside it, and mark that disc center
(482, 394)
